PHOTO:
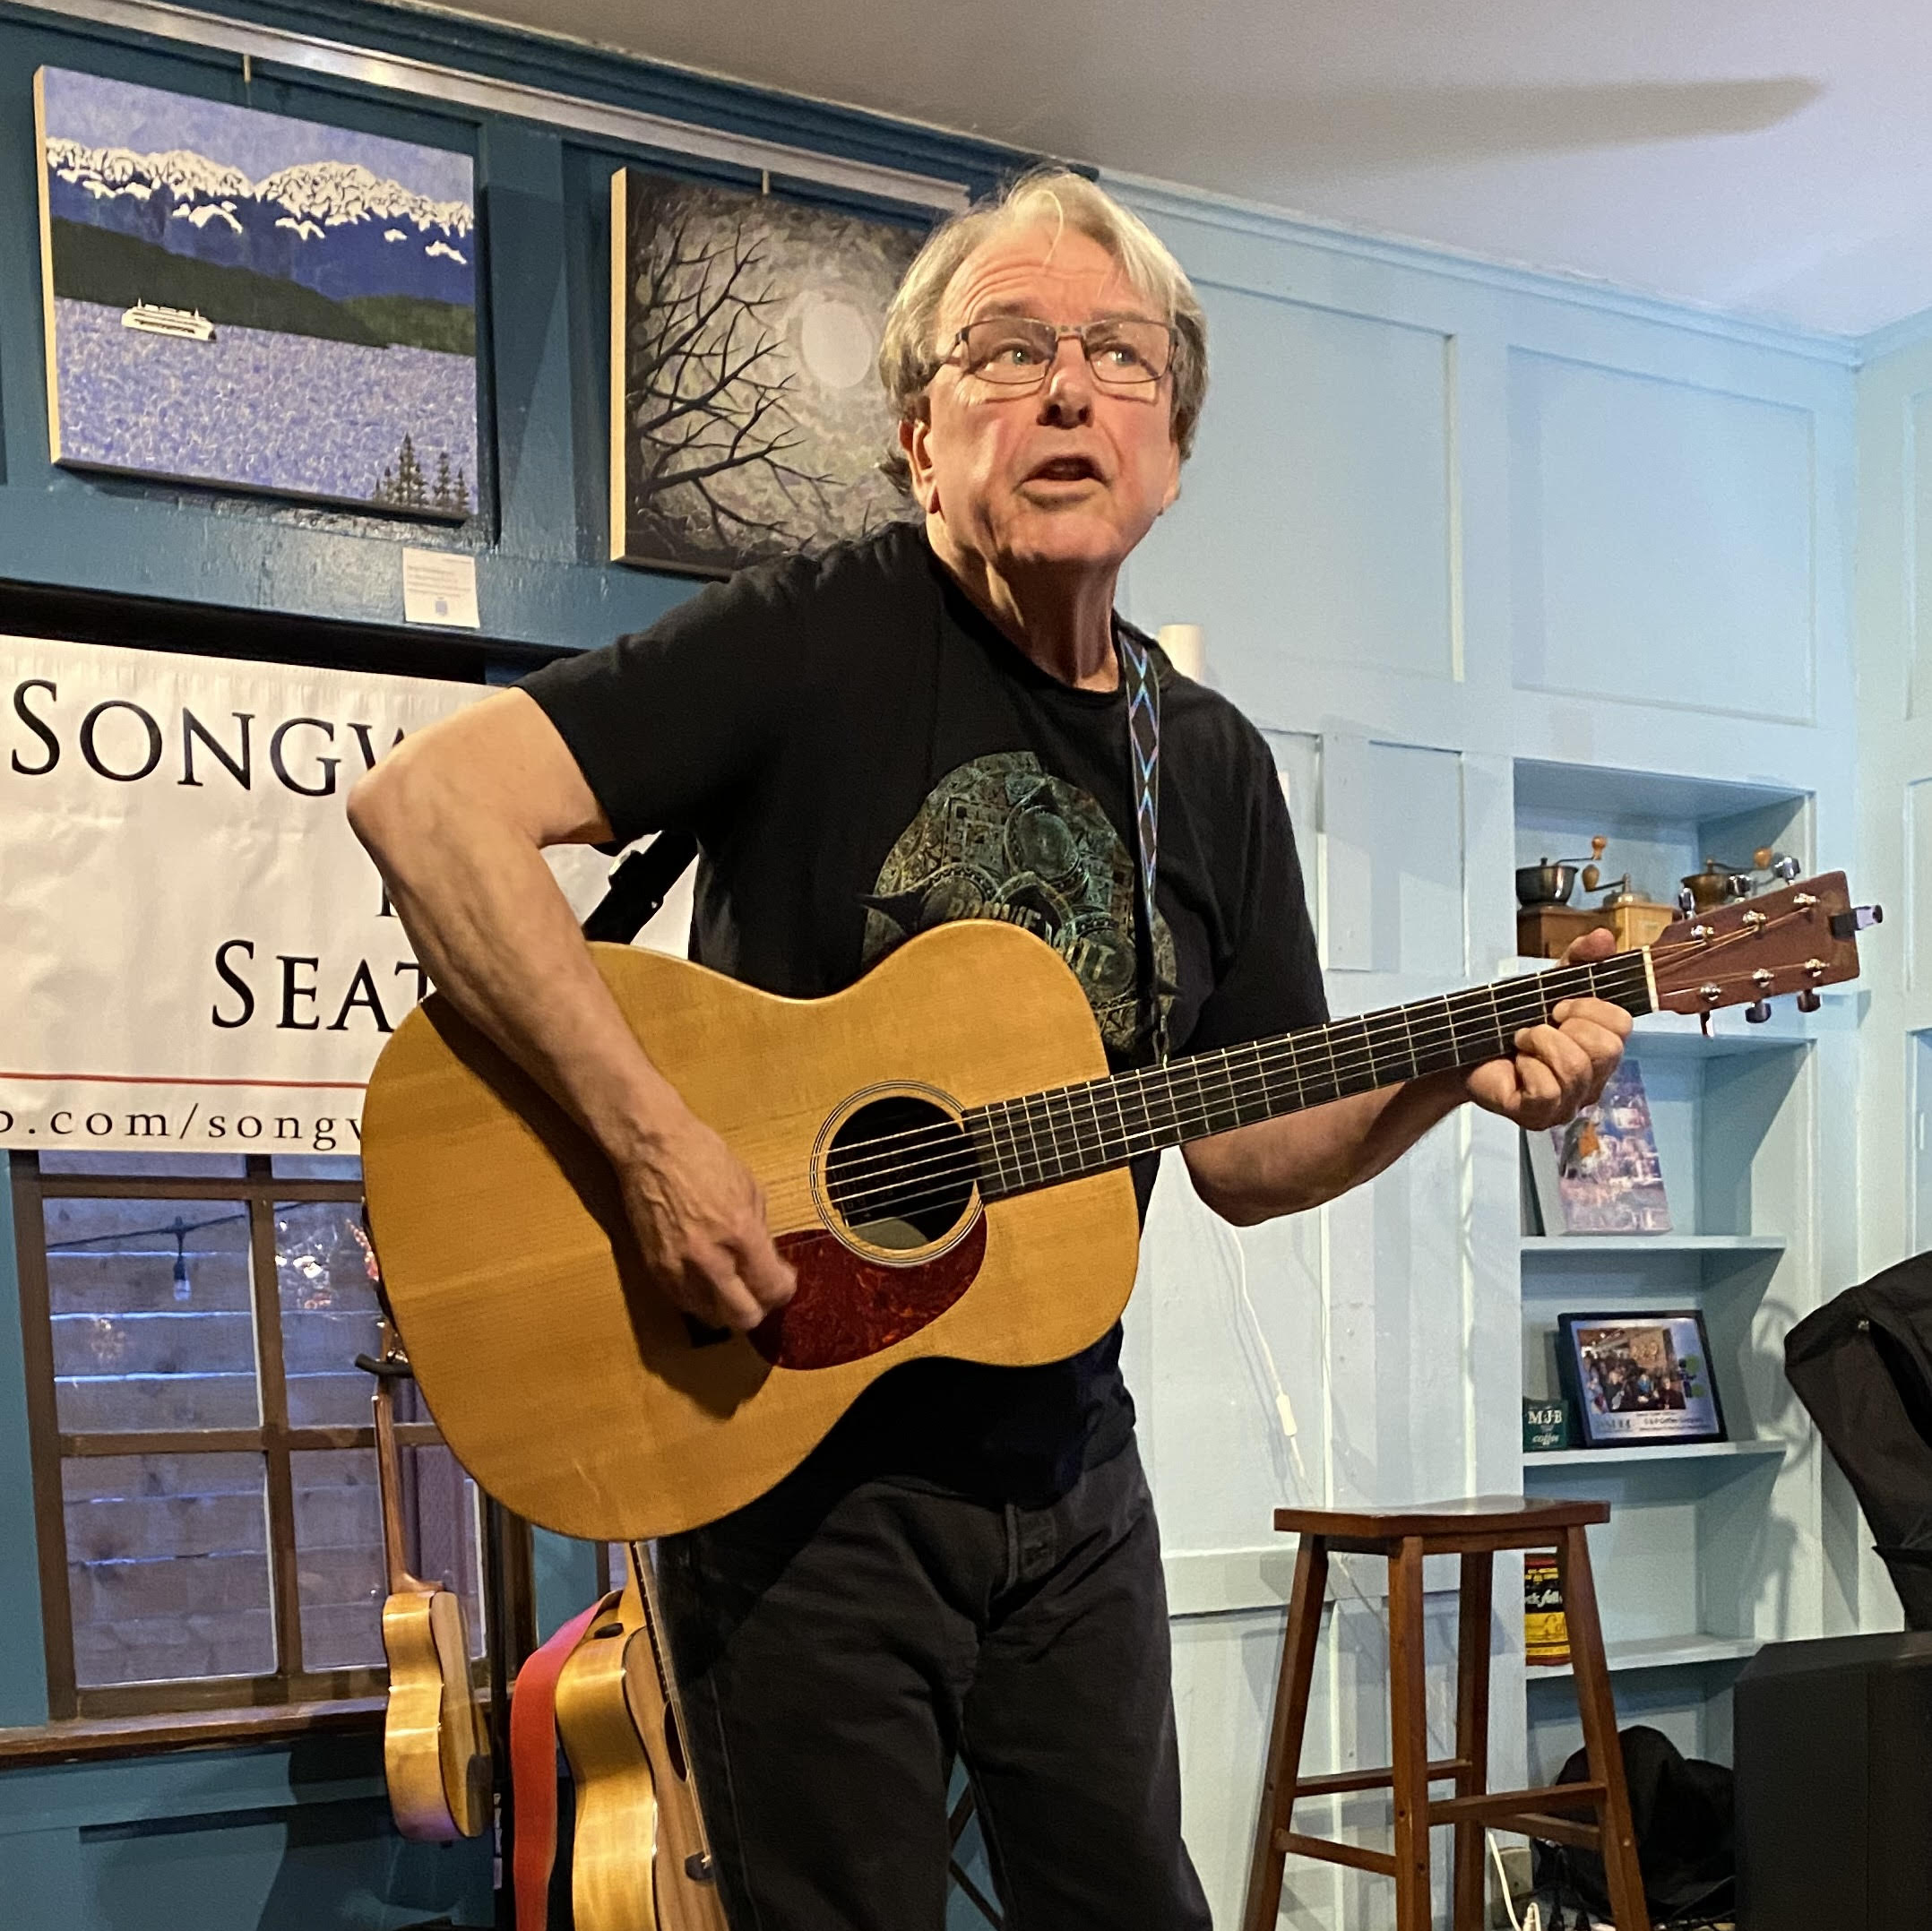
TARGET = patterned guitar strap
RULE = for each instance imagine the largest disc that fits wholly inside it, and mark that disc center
(1144, 754)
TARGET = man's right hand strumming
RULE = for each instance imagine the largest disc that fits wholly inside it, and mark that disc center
(699, 1216)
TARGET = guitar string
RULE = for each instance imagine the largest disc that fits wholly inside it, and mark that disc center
(950, 1170)
(1360, 1047)
(944, 1138)
(963, 1167)
(1388, 1023)
(1536, 987)
(946, 1163)
(1348, 1046)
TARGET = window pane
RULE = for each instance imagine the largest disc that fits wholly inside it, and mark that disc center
(338, 1556)
(329, 1311)
(339, 1546)
(443, 1529)
(315, 1167)
(153, 1322)
(167, 1567)
(149, 1166)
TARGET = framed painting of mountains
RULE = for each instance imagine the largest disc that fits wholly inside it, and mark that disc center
(746, 418)
(253, 302)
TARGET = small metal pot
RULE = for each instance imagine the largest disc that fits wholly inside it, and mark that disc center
(1548, 883)
(1709, 887)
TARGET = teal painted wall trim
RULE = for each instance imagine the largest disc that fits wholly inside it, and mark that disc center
(566, 1574)
(539, 537)
(281, 1838)
(22, 1656)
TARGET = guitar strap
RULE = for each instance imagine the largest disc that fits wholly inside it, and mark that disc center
(1143, 755)
(533, 1767)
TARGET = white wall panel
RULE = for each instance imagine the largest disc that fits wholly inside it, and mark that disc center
(1662, 541)
(1916, 922)
(1314, 517)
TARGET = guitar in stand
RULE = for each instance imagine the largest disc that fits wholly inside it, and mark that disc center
(639, 1860)
(435, 1756)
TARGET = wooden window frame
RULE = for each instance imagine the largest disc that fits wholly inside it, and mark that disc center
(290, 1684)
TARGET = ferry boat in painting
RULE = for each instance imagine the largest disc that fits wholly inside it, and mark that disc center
(152, 319)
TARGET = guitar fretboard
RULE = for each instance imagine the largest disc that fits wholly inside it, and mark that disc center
(1066, 1133)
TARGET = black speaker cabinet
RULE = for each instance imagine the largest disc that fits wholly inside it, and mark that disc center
(1833, 1746)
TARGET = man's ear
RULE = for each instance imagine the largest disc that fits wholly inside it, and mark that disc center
(914, 433)
(1172, 493)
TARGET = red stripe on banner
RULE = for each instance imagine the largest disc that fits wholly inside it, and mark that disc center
(168, 1079)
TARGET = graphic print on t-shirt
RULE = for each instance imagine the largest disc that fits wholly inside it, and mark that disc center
(999, 837)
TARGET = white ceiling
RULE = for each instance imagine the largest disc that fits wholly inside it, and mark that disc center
(1767, 157)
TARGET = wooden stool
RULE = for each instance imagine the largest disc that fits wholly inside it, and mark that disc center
(1476, 1530)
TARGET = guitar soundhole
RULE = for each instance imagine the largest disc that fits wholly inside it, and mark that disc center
(899, 1173)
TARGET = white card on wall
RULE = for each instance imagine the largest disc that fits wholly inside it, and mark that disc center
(440, 587)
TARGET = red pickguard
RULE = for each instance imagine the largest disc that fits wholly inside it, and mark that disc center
(846, 1307)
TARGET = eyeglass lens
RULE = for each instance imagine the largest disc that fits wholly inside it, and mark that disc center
(1122, 352)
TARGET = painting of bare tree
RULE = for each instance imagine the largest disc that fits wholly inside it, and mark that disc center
(748, 421)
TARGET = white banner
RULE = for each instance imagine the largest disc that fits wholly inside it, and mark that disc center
(195, 952)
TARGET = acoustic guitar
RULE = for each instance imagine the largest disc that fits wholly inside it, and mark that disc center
(435, 1756)
(944, 1157)
(639, 1859)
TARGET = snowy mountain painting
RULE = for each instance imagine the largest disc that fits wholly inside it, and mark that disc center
(242, 299)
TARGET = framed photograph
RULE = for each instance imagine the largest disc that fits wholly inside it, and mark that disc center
(253, 302)
(1636, 1379)
(746, 418)
(1600, 1174)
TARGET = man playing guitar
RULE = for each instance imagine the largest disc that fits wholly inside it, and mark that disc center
(929, 723)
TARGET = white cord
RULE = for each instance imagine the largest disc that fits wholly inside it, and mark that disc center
(1284, 1410)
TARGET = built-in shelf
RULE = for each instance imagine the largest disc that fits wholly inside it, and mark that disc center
(1660, 1652)
(1581, 1458)
(1545, 1246)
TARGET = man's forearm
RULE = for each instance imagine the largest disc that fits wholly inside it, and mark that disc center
(1289, 1165)
(497, 936)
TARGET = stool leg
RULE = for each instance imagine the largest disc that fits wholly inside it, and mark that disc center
(1625, 1880)
(1471, 1732)
(1409, 1736)
(1291, 1695)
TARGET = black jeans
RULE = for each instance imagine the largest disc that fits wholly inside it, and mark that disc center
(838, 1647)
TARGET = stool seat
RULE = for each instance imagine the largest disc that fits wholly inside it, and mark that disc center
(1476, 1529)
(1489, 1517)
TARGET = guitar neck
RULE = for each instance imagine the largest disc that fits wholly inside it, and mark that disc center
(1067, 1132)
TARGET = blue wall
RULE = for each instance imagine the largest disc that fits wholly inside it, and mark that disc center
(298, 1835)
(543, 208)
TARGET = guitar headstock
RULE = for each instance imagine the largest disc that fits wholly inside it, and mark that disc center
(1752, 951)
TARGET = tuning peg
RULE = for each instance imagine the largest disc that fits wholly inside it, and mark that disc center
(1859, 919)
(1808, 1000)
(1685, 904)
(1757, 1011)
(1740, 886)
(1784, 867)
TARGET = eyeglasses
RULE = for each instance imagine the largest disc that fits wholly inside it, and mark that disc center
(1016, 352)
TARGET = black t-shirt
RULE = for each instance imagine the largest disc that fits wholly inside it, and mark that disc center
(861, 754)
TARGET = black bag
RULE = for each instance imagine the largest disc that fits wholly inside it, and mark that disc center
(1862, 1364)
(1681, 1813)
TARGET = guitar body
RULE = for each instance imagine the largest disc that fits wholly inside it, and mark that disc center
(637, 1820)
(435, 1759)
(560, 1377)
(615, 1838)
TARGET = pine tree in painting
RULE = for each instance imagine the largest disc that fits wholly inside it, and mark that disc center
(408, 487)
(462, 493)
(440, 495)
